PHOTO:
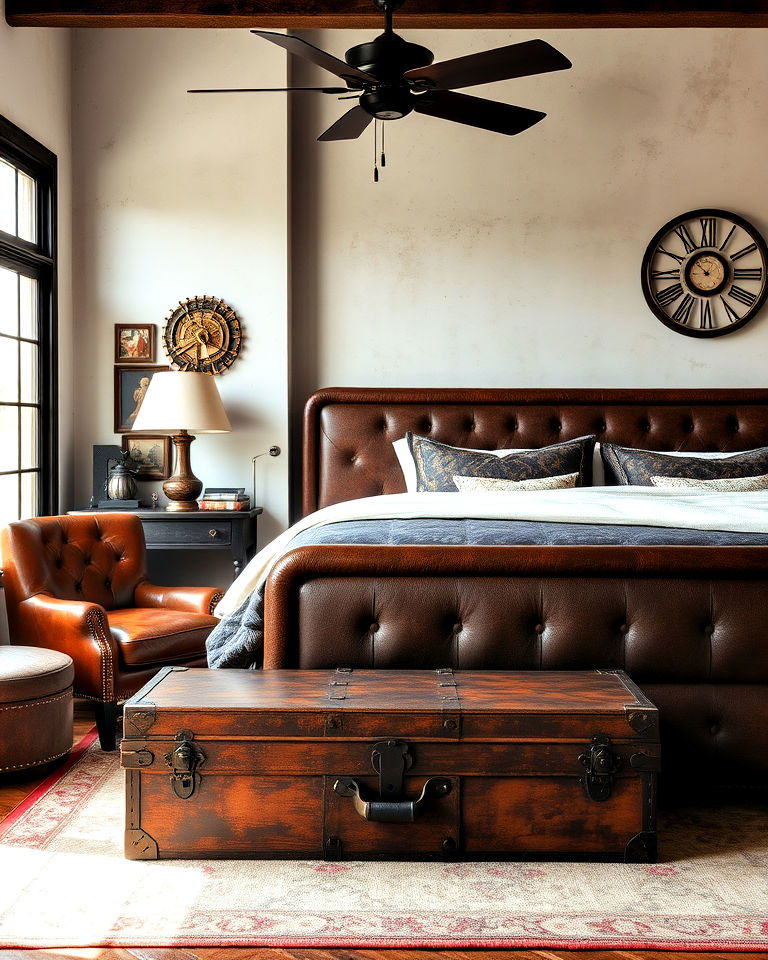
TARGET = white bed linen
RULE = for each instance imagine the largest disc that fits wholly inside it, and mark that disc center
(642, 506)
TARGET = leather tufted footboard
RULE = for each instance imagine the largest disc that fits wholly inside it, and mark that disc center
(687, 623)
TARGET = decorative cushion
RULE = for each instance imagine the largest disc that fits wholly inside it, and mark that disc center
(405, 459)
(631, 467)
(491, 485)
(729, 484)
(150, 635)
(438, 463)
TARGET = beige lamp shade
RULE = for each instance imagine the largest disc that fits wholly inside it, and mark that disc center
(182, 400)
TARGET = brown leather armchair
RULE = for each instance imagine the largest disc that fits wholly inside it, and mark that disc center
(79, 584)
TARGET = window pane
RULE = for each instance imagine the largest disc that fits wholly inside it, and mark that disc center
(9, 371)
(28, 368)
(30, 484)
(27, 191)
(9, 499)
(7, 197)
(9, 302)
(9, 438)
(28, 438)
(28, 307)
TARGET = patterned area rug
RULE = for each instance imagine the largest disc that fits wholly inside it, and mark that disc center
(64, 883)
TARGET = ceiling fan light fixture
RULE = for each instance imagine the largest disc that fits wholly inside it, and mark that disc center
(387, 103)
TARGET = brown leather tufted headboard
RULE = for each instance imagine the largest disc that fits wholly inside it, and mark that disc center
(348, 432)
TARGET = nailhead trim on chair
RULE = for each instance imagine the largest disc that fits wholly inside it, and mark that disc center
(214, 602)
(96, 626)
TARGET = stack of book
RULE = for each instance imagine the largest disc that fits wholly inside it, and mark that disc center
(224, 498)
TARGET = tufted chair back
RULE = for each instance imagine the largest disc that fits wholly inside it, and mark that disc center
(100, 559)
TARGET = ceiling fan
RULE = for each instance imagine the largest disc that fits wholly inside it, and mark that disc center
(391, 77)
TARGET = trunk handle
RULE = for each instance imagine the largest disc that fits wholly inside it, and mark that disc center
(392, 811)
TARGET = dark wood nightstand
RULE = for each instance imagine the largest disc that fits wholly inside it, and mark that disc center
(231, 530)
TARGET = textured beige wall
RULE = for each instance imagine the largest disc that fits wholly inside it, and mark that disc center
(481, 260)
(177, 196)
(35, 95)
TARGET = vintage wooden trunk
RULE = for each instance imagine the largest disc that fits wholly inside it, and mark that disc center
(390, 764)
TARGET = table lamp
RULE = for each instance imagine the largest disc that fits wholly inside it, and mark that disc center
(178, 402)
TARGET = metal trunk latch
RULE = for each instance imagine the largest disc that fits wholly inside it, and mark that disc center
(390, 759)
(184, 762)
(601, 764)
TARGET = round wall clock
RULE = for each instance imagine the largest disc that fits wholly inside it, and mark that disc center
(704, 273)
(203, 334)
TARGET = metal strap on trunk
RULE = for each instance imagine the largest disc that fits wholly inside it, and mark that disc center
(450, 703)
(337, 685)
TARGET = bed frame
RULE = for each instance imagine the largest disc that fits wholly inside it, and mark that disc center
(690, 624)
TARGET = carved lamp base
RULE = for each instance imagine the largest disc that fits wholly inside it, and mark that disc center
(183, 488)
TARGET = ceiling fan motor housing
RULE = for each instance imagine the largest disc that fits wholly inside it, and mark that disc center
(387, 58)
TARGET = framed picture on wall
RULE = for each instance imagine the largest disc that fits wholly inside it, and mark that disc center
(131, 385)
(152, 454)
(134, 343)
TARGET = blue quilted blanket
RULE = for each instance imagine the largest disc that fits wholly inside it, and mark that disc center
(237, 641)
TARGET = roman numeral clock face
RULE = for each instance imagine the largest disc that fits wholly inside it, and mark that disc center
(704, 273)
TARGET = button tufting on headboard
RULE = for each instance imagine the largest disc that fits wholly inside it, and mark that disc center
(369, 419)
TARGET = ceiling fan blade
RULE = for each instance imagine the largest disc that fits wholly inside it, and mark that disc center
(320, 58)
(336, 90)
(475, 112)
(503, 63)
(349, 126)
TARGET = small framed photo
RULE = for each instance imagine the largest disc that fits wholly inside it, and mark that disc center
(152, 455)
(131, 385)
(134, 343)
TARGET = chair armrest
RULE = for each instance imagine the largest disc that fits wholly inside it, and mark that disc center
(77, 628)
(185, 599)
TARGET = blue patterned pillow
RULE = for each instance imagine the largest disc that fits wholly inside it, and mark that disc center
(438, 463)
(647, 468)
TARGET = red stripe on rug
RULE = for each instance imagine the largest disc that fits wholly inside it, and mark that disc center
(681, 946)
(50, 781)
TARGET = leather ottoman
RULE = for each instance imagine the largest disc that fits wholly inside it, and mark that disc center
(35, 707)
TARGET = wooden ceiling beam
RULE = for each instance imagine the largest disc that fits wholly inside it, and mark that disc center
(353, 14)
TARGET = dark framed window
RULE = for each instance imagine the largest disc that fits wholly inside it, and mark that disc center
(28, 325)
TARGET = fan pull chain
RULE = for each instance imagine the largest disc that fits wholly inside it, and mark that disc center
(383, 157)
(375, 150)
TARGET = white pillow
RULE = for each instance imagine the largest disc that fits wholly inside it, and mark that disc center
(404, 458)
(732, 484)
(494, 485)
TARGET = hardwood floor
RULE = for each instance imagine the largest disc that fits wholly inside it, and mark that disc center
(12, 793)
